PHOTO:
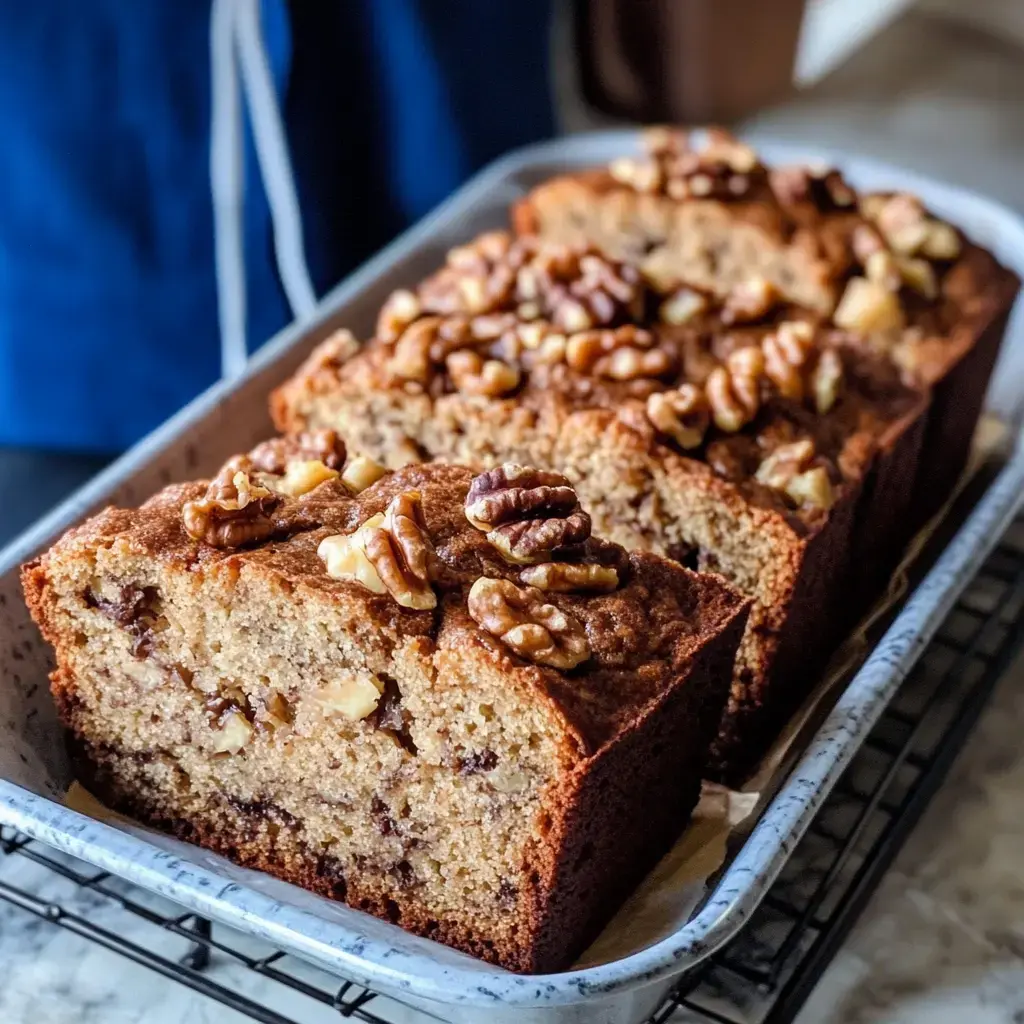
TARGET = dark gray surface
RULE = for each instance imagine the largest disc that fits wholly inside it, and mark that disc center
(33, 482)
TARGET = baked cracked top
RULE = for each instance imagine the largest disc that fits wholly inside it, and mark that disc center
(503, 562)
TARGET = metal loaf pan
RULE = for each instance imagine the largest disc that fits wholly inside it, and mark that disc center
(34, 772)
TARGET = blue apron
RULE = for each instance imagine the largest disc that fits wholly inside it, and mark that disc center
(108, 295)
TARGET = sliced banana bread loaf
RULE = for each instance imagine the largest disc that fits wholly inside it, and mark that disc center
(703, 210)
(438, 699)
(741, 447)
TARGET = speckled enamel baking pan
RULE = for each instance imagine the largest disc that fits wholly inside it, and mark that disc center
(34, 771)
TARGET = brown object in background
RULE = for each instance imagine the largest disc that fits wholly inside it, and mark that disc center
(686, 60)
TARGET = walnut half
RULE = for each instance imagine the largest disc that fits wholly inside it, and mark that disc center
(527, 513)
(389, 553)
(520, 617)
(235, 509)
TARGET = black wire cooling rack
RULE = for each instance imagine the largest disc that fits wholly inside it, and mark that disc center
(766, 973)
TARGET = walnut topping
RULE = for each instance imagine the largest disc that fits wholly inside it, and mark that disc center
(569, 576)
(389, 553)
(827, 380)
(790, 469)
(682, 306)
(361, 472)
(682, 414)
(410, 359)
(532, 628)
(889, 269)
(474, 375)
(734, 391)
(625, 353)
(527, 513)
(574, 288)
(821, 185)
(868, 307)
(302, 477)
(323, 446)
(398, 312)
(907, 228)
(723, 168)
(234, 511)
(750, 301)
(335, 350)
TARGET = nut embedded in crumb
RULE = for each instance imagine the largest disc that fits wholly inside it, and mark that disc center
(565, 577)
(354, 697)
(526, 513)
(234, 734)
(532, 628)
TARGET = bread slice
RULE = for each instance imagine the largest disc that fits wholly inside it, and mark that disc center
(761, 480)
(361, 694)
(712, 214)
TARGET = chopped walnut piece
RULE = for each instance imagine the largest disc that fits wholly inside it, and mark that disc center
(569, 576)
(410, 359)
(398, 312)
(789, 469)
(234, 511)
(682, 306)
(474, 375)
(389, 553)
(750, 301)
(721, 168)
(821, 185)
(868, 307)
(335, 350)
(624, 353)
(734, 390)
(302, 477)
(919, 275)
(361, 472)
(907, 228)
(827, 380)
(322, 445)
(532, 628)
(234, 733)
(526, 513)
(787, 350)
(682, 414)
(354, 697)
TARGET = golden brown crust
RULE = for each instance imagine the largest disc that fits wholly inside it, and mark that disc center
(606, 760)
(650, 622)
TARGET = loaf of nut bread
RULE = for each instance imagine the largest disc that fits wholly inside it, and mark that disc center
(704, 211)
(436, 698)
(736, 439)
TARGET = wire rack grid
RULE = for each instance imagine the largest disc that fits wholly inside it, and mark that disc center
(763, 977)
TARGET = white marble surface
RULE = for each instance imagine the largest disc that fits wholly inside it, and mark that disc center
(942, 941)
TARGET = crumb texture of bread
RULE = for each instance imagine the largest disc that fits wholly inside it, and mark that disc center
(414, 762)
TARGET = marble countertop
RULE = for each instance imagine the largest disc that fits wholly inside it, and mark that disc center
(942, 940)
